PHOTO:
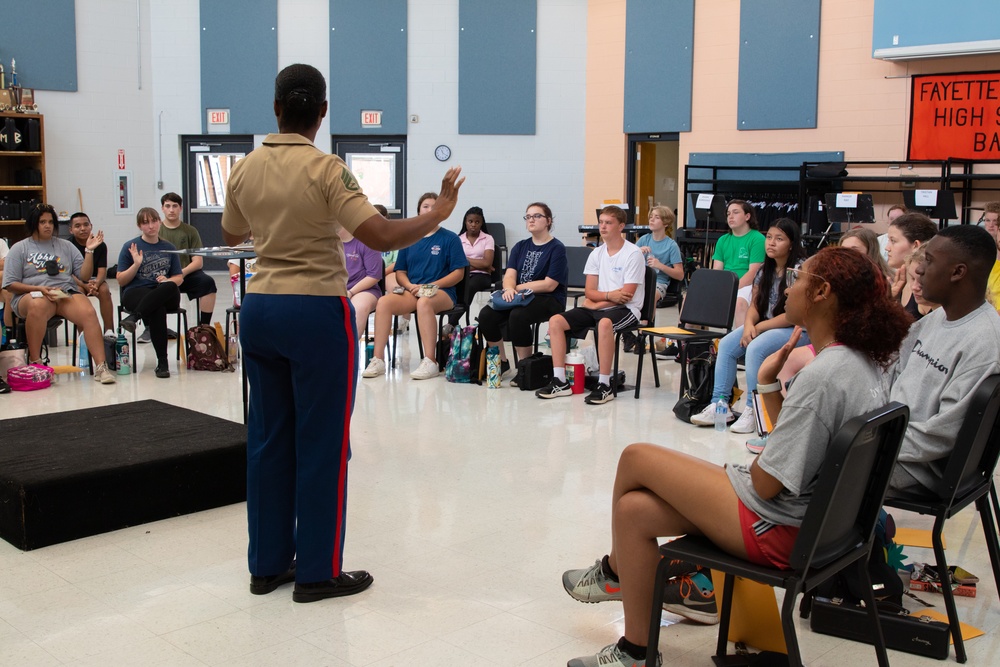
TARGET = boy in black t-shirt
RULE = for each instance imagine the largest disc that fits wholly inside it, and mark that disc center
(80, 228)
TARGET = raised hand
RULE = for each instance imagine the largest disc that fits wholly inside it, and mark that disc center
(95, 240)
(448, 197)
(136, 254)
(769, 370)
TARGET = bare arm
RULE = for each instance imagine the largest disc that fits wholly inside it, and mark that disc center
(382, 234)
(765, 485)
(747, 278)
(484, 264)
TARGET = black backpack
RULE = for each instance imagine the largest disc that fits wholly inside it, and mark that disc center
(700, 378)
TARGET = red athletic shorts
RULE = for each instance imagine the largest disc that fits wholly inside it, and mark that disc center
(770, 547)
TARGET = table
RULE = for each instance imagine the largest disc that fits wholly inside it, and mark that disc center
(242, 253)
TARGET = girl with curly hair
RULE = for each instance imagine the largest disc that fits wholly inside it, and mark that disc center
(753, 512)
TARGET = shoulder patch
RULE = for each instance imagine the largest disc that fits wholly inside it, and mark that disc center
(349, 181)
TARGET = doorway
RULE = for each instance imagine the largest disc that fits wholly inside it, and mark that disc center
(208, 161)
(379, 164)
(653, 173)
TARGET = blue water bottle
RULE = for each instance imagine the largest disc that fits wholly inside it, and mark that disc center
(721, 414)
(84, 352)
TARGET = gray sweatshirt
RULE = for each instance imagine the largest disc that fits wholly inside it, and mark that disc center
(941, 363)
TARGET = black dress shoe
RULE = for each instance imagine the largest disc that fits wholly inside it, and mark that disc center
(162, 370)
(264, 585)
(348, 583)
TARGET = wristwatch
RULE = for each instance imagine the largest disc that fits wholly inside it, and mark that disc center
(769, 388)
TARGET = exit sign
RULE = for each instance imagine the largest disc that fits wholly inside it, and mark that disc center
(371, 118)
(218, 121)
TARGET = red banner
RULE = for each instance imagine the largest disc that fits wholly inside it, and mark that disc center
(955, 116)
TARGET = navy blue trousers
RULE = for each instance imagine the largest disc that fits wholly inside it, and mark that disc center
(301, 360)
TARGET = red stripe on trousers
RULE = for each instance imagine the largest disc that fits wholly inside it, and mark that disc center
(345, 444)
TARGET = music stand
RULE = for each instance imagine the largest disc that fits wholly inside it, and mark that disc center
(710, 209)
(942, 208)
(847, 208)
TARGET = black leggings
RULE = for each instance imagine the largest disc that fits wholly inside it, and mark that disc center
(151, 305)
(518, 320)
(466, 291)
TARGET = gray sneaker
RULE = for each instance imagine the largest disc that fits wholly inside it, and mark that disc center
(143, 337)
(692, 598)
(591, 584)
(611, 656)
(555, 389)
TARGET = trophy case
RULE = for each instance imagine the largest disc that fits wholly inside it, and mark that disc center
(22, 170)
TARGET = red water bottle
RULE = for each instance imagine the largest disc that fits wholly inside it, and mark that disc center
(576, 372)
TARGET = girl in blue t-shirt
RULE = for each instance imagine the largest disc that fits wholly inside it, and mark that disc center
(426, 275)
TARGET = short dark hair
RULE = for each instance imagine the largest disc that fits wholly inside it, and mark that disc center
(78, 214)
(475, 210)
(171, 196)
(31, 223)
(975, 247)
(300, 91)
(616, 212)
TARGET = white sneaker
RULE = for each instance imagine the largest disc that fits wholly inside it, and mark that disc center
(103, 375)
(746, 423)
(109, 334)
(706, 417)
(375, 368)
(427, 369)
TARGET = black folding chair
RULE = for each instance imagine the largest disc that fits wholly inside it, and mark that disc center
(576, 262)
(710, 302)
(838, 531)
(967, 478)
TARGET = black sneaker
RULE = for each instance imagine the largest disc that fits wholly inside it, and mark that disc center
(601, 394)
(162, 370)
(171, 334)
(128, 324)
(555, 389)
(4, 387)
(629, 339)
(504, 367)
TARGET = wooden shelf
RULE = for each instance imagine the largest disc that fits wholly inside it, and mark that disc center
(11, 162)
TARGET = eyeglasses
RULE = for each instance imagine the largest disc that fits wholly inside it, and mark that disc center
(534, 216)
(795, 273)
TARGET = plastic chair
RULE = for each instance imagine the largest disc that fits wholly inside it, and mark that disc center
(499, 234)
(710, 302)
(967, 478)
(837, 531)
(576, 262)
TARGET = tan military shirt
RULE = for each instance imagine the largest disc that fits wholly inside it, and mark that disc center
(292, 197)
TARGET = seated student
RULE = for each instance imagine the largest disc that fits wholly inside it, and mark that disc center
(150, 280)
(883, 239)
(424, 204)
(537, 263)
(479, 247)
(40, 273)
(80, 227)
(907, 233)
(4, 295)
(752, 512)
(991, 220)
(866, 242)
(947, 353)
(197, 284)
(766, 327)
(435, 260)
(740, 251)
(364, 271)
(616, 273)
(662, 254)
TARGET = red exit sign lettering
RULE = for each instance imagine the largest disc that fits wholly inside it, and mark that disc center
(371, 118)
(220, 117)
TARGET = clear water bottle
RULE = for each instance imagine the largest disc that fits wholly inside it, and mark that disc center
(84, 352)
(721, 414)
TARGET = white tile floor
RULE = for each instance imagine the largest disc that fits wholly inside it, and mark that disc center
(466, 505)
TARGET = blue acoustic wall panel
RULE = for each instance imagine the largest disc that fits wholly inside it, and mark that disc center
(41, 37)
(239, 60)
(903, 24)
(659, 52)
(367, 65)
(497, 66)
(779, 64)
